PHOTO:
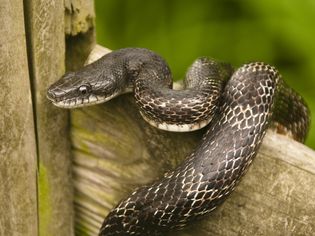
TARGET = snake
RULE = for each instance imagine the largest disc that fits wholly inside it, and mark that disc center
(236, 107)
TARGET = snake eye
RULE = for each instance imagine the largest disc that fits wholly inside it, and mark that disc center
(84, 89)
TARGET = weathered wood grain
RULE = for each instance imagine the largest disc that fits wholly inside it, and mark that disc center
(116, 151)
(46, 47)
(79, 16)
(80, 33)
(18, 166)
(36, 194)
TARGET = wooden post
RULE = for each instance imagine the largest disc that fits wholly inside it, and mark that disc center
(18, 164)
(36, 193)
(116, 151)
(46, 47)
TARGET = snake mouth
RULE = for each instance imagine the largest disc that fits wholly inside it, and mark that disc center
(82, 102)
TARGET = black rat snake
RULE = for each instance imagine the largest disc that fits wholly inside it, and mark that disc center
(238, 107)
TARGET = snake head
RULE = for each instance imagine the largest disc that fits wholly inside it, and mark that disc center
(83, 88)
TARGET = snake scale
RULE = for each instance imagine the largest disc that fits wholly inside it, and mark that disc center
(236, 106)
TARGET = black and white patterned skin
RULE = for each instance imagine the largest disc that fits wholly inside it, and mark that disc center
(239, 111)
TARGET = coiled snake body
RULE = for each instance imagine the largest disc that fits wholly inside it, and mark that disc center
(237, 107)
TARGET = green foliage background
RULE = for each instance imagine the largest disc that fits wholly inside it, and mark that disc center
(237, 31)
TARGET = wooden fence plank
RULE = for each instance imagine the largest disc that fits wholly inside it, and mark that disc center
(18, 165)
(46, 34)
